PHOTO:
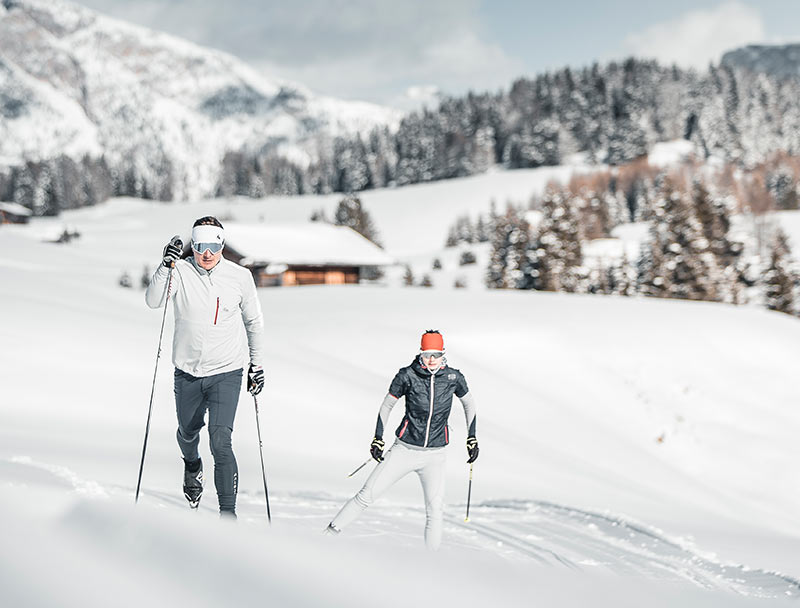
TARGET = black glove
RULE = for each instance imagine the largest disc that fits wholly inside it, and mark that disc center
(376, 449)
(172, 251)
(255, 379)
(472, 449)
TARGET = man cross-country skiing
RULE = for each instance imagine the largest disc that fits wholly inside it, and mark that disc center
(218, 327)
(428, 385)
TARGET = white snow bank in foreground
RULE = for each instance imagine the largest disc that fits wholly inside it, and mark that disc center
(112, 553)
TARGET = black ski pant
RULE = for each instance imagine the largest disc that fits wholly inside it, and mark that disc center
(219, 396)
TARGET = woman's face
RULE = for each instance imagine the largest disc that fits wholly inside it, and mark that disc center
(432, 359)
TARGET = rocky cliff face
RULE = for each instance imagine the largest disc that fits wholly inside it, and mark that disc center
(782, 61)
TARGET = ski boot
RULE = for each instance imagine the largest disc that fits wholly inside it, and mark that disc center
(193, 482)
(227, 514)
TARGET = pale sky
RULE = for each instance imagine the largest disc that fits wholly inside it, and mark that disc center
(399, 52)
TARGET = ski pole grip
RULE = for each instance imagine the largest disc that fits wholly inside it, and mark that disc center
(177, 242)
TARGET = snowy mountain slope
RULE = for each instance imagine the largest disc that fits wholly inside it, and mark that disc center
(641, 446)
(167, 107)
(412, 222)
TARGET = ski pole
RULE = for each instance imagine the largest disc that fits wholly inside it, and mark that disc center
(261, 452)
(469, 491)
(366, 462)
(153, 389)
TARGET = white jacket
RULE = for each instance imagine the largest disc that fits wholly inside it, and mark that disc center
(218, 321)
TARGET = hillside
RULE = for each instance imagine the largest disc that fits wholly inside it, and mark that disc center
(637, 447)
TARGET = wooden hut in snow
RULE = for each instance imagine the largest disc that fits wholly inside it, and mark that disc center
(312, 253)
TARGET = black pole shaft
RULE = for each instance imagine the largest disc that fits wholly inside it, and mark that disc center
(469, 492)
(153, 389)
(261, 452)
(366, 462)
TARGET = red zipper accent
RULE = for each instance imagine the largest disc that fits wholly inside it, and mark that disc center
(216, 314)
(403, 430)
(446, 437)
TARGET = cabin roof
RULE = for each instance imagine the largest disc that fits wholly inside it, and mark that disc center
(15, 209)
(310, 243)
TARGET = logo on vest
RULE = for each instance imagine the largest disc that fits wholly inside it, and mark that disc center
(451, 376)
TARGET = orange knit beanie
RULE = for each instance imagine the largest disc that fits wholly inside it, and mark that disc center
(432, 340)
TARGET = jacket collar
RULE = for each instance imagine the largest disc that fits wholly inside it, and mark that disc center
(202, 270)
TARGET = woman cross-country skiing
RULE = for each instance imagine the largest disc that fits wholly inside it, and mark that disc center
(428, 385)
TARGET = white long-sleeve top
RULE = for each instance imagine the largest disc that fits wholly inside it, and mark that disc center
(218, 320)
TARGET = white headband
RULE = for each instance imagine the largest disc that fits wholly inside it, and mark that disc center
(208, 234)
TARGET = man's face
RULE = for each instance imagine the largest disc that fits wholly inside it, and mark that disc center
(206, 260)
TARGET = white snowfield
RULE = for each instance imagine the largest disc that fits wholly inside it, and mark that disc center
(634, 452)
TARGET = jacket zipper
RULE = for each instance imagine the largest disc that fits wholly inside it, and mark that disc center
(430, 415)
(403, 430)
(216, 314)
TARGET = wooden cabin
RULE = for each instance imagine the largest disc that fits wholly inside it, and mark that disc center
(14, 213)
(312, 253)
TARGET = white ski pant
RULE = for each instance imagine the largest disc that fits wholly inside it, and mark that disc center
(398, 462)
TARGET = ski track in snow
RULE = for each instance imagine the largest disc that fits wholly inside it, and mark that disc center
(519, 530)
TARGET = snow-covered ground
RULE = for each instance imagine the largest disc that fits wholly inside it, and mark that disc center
(633, 452)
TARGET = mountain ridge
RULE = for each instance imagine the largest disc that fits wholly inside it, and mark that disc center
(77, 83)
(780, 60)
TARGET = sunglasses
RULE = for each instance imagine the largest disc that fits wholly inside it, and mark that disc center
(427, 354)
(202, 247)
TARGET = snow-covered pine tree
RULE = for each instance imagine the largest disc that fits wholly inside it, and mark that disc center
(277, 175)
(350, 166)
(621, 278)
(598, 279)
(381, 157)
(452, 236)
(520, 253)
(482, 230)
(497, 273)
(558, 252)
(462, 231)
(678, 262)
(533, 146)
(759, 125)
(712, 213)
(779, 278)
(782, 184)
(466, 231)
(351, 213)
(408, 277)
